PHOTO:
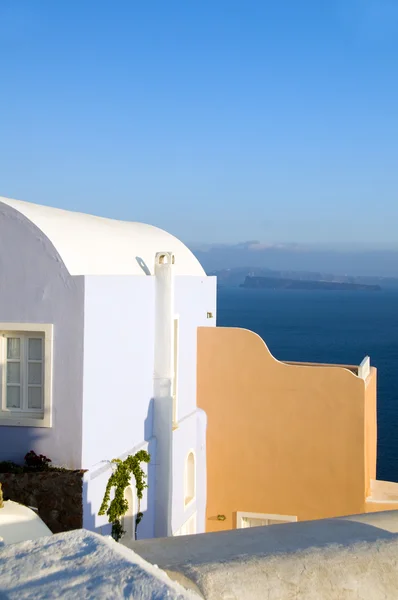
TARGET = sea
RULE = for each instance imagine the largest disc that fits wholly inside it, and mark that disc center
(329, 327)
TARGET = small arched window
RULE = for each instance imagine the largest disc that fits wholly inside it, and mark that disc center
(128, 521)
(190, 479)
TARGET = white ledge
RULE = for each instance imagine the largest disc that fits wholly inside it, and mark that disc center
(80, 565)
(334, 559)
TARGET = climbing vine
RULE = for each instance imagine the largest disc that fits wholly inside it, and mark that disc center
(120, 479)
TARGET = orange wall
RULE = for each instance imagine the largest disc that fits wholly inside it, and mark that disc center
(281, 438)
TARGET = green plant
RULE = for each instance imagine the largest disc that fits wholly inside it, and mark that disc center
(120, 479)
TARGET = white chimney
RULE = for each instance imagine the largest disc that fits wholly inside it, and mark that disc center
(164, 325)
(163, 390)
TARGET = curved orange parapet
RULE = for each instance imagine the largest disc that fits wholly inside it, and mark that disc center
(288, 439)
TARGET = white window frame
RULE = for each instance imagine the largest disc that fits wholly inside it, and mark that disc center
(189, 499)
(17, 417)
(263, 517)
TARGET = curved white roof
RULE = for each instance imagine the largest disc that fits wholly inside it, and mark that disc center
(90, 245)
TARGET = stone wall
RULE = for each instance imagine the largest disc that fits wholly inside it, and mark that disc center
(58, 496)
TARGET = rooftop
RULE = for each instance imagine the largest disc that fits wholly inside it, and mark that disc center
(91, 245)
(81, 565)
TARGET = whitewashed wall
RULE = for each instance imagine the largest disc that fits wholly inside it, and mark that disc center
(118, 365)
(194, 298)
(35, 287)
(94, 486)
(111, 318)
(118, 386)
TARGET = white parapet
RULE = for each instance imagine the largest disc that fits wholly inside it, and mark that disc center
(364, 368)
(80, 565)
(353, 557)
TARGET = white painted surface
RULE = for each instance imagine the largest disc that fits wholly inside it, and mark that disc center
(19, 523)
(189, 527)
(331, 559)
(201, 474)
(364, 368)
(163, 386)
(114, 317)
(190, 434)
(80, 565)
(118, 365)
(164, 484)
(94, 486)
(176, 354)
(383, 491)
(90, 245)
(118, 410)
(164, 325)
(128, 521)
(190, 478)
(36, 288)
(194, 298)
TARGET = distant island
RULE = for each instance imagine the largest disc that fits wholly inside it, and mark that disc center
(236, 277)
(281, 283)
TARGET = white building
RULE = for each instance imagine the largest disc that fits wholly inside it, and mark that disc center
(98, 322)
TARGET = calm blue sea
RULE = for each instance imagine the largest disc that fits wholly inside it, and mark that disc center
(336, 327)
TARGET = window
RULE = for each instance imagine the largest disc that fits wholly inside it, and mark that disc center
(128, 521)
(175, 375)
(247, 519)
(189, 479)
(25, 374)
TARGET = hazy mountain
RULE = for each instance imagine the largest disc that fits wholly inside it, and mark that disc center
(381, 263)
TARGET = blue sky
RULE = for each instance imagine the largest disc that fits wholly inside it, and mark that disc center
(220, 121)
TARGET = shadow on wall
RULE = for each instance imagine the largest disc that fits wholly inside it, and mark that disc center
(15, 442)
(146, 529)
(143, 265)
(91, 519)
